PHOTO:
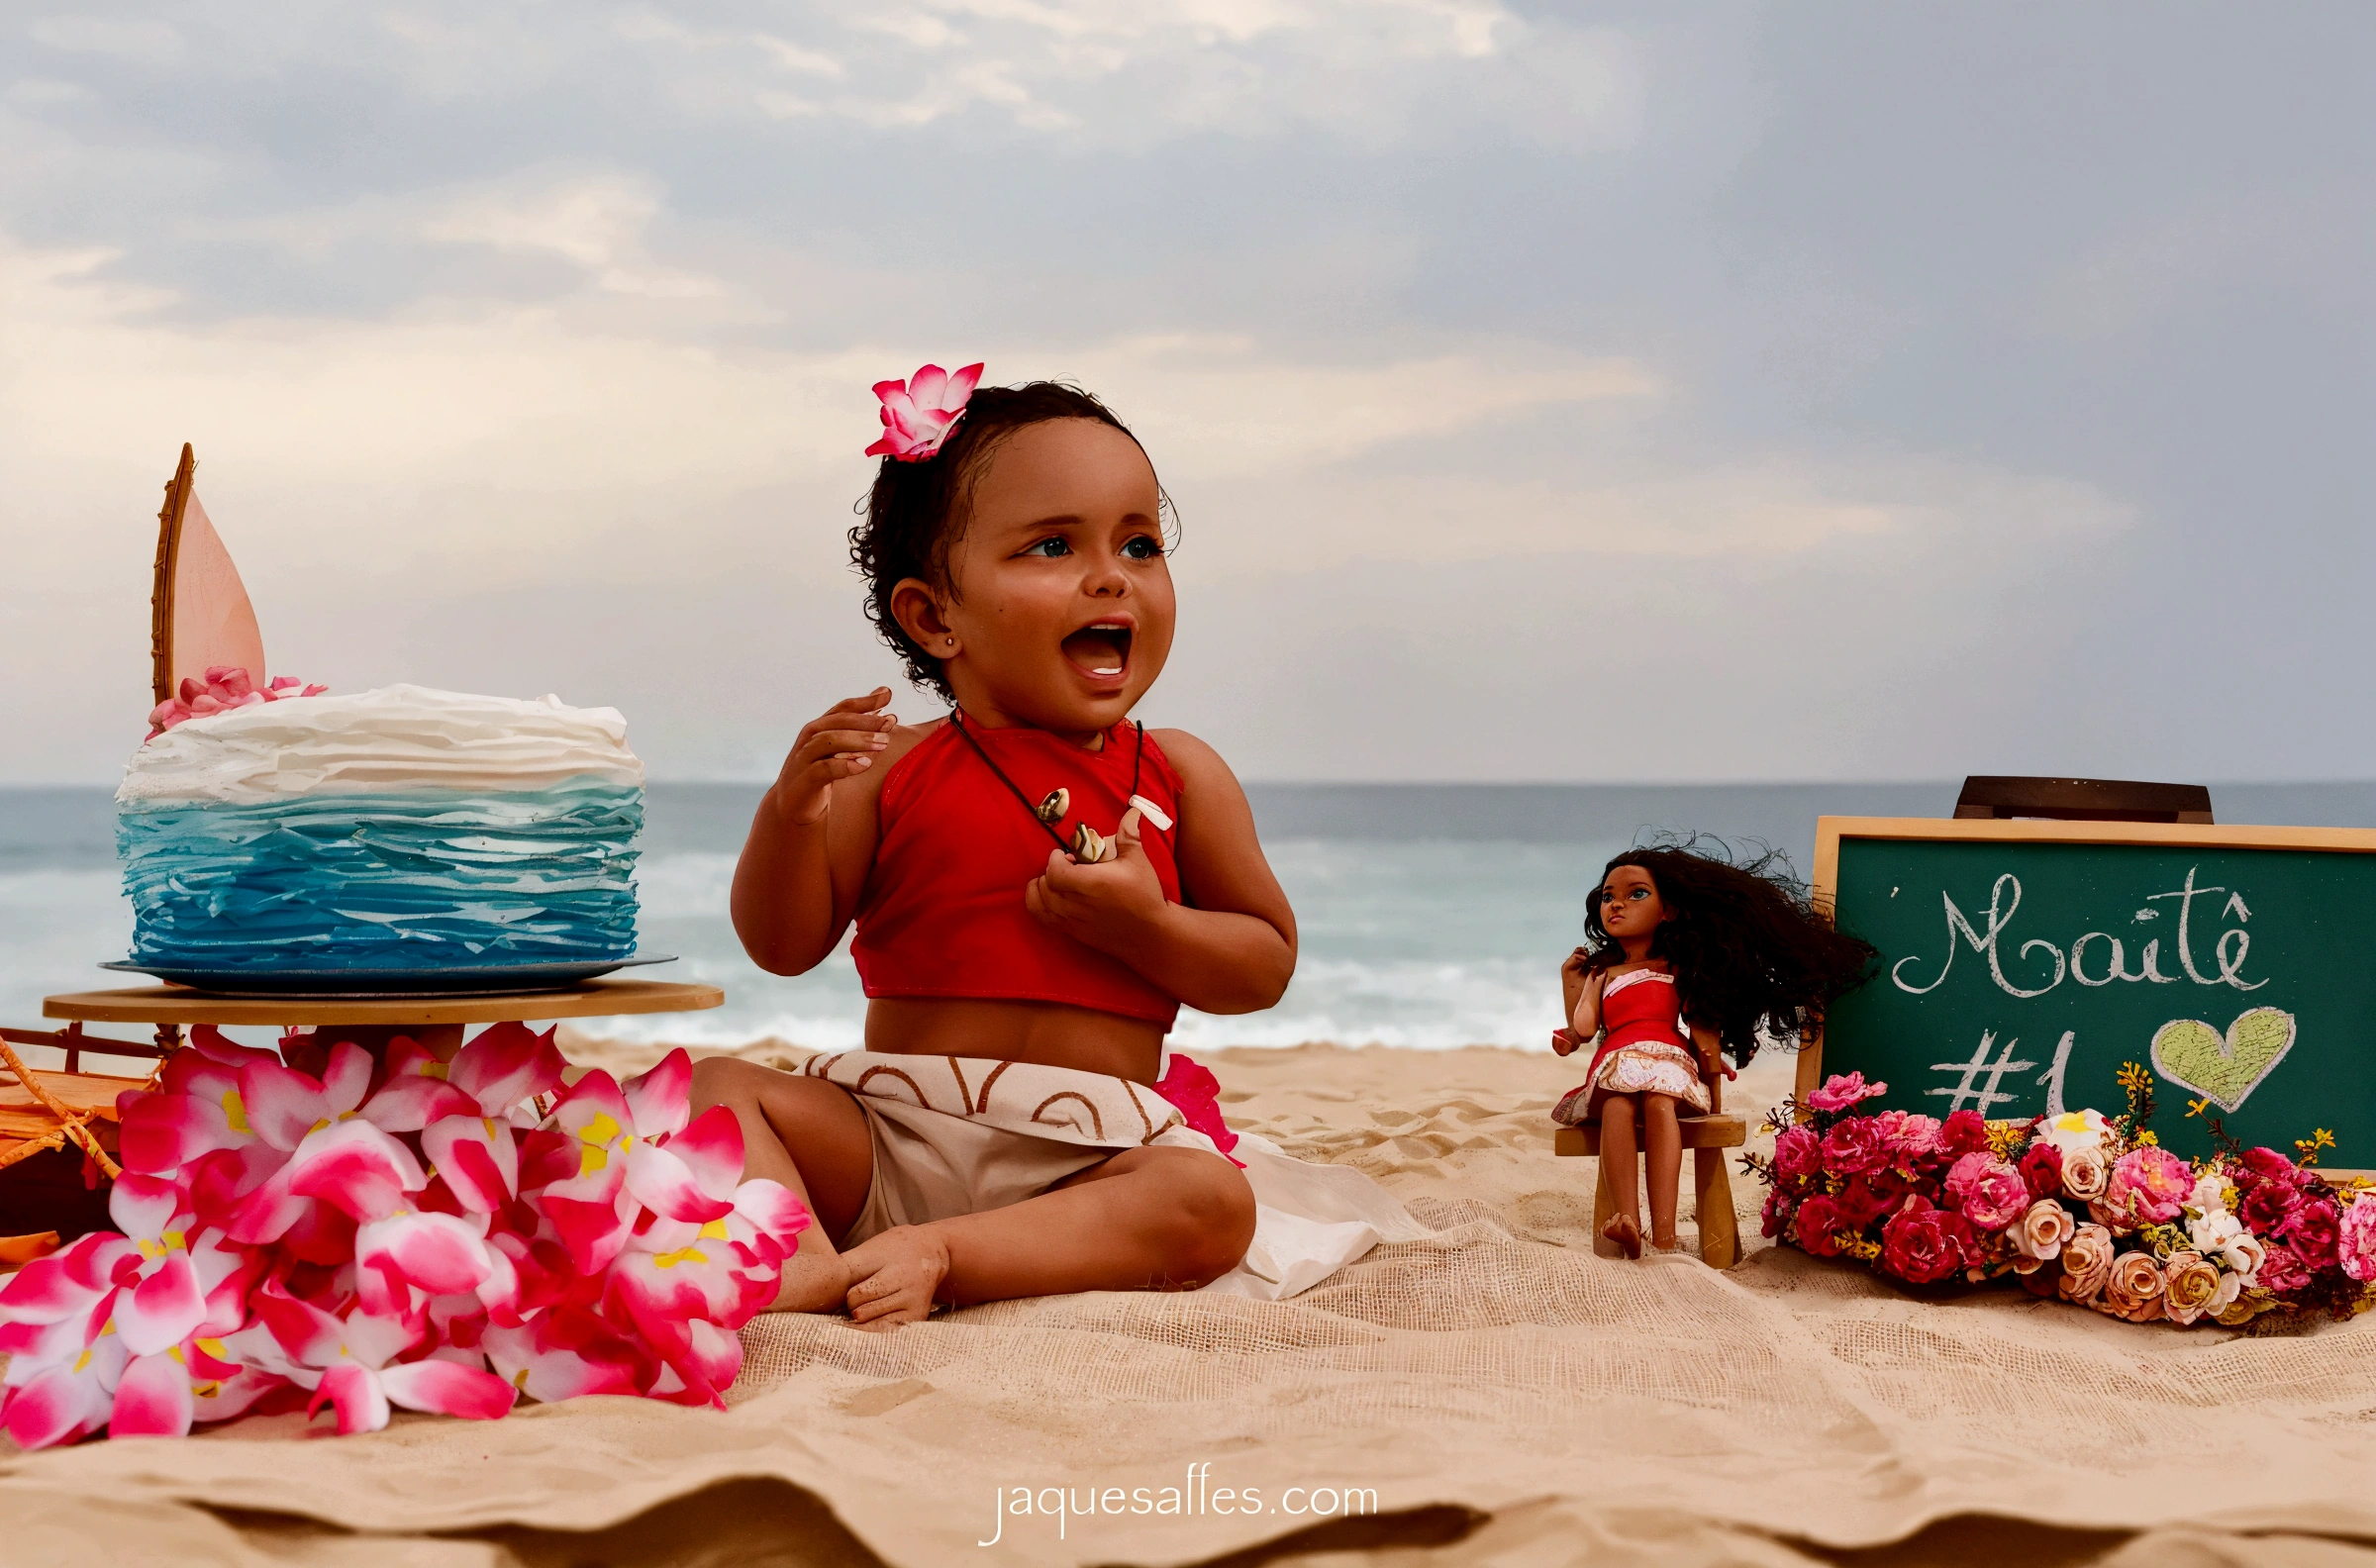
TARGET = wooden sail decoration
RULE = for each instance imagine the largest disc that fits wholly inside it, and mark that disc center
(199, 614)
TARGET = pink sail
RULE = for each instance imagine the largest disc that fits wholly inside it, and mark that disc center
(212, 622)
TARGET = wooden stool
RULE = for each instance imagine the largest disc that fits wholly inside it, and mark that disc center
(1707, 1136)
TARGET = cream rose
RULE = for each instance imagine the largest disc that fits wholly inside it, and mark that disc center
(2086, 1263)
(2245, 1253)
(2085, 1173)
(2038, 1235)
(2135, 1288)
(2190, 1287)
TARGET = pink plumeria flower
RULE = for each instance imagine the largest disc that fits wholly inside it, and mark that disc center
(917, 413)
(350, 1362)
(56, 1327)
(612, 1126)
(566, 1352)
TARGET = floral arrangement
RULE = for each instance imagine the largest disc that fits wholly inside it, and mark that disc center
(226, 686)
(441, 1237)
(919, 413)
(2083, 1206)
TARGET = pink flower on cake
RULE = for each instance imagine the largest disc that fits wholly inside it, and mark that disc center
(1853, 1145)
(2086, 1263)
(2356, 1238)
(225, 687)
(1843, 1090)
(917, 413)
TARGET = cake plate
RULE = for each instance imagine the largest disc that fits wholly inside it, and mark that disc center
(168, 1006)
(346, 985)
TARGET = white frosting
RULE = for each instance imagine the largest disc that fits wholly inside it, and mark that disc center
(394, 738)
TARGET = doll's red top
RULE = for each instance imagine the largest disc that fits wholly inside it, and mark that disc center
(1637, 1009)
(941, 914)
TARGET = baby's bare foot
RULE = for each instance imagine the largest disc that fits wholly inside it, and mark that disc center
(894, 1276)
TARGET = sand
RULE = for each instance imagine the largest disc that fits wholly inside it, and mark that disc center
(1509, 1398)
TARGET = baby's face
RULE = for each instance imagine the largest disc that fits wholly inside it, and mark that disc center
(1064, 606)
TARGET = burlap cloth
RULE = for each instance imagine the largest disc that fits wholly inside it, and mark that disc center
(1509, 1398)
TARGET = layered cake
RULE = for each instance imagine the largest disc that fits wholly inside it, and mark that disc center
(394, 829)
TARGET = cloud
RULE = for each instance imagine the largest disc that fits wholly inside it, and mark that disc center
(146, 39)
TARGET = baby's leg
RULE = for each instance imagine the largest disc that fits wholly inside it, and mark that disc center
(810, 1136)
(1149, 1218)
(1618, 1149)
(1662, 1138)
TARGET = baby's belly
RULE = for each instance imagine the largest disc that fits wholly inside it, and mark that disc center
(1048, 1032)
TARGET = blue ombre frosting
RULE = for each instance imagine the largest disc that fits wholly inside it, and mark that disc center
(400, 829)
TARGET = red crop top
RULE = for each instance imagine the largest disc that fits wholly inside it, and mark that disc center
(941, 914)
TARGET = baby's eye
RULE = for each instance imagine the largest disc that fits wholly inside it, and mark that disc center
(1048, 548)
(1142, 547)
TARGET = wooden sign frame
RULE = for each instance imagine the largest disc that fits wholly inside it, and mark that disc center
(169, 556)
(1829, 830)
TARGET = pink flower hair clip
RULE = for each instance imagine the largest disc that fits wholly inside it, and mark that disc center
(919, 413)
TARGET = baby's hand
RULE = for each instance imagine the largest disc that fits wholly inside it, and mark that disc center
(1099, 905)
(1565, 1041)
(837, 745)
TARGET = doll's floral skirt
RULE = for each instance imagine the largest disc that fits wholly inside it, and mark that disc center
(1652, 1067)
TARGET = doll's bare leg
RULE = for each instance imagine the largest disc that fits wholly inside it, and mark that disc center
(1663, 1140)
(831, 1171)
(1616, 1164)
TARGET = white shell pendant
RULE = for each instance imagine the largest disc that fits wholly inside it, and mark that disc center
(1052, 808)
(1153, 813)
(1090, 847)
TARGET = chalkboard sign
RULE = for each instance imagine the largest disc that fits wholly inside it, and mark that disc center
(2023, 963)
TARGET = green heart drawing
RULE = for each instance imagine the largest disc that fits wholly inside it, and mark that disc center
(2225, 1070)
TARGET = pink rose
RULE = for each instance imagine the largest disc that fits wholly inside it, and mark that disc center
(1820, 1229)
(1867, 1197)
(1911, 1136)
(2134, 1290)
(2041, 1170)
(2266, 1165)
(2148, 1186)
(2086, 1263)
(2188, 1286)
(2085, 1171)
(1842, 1090)
(1963, 1132)
(1988, 1191)
(2312, 1232)
(2046, 1229)
(2266, 1206)
(1777, 1216)
(2282, 1271)
(1855, 1145)
(1797, 1154)
(2356, 1238)
(1922, 1243)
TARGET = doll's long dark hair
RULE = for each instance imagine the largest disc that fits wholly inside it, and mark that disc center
(1749, 950)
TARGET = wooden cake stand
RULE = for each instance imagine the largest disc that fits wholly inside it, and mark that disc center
(46, 1189)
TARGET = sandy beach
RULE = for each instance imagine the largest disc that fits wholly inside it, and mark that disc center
(1506, 1396)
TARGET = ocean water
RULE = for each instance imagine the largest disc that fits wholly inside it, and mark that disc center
(1432, 916)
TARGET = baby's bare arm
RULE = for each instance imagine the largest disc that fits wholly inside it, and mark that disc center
(812, 840)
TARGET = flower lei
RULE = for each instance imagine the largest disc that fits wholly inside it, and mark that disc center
(441, 1237)
(919, 413)
(2080, 1206)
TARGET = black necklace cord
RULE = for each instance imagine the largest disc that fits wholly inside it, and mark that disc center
(957, 718)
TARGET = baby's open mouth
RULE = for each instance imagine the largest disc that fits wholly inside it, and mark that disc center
(1101, 649)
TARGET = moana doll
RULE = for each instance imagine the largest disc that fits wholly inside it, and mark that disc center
(1688, 959)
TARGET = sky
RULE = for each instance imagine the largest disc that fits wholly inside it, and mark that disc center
(1548, 392)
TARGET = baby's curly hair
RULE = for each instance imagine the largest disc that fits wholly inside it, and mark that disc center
(916, 511)
(1749, 950)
